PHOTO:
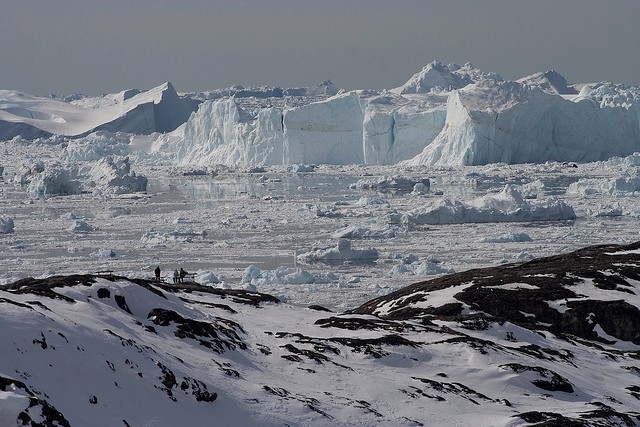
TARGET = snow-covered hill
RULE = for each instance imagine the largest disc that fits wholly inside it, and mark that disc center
(550, 342)
(140, 112)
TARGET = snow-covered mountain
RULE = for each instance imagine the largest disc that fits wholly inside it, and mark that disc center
(554, 341)
(140, 112)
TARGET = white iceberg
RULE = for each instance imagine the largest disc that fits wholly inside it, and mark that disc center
(54, 180)
(506, 206)
(284, 275)
(114, 176)
(342, 252)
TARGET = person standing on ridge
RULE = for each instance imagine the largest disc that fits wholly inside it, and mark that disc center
(157, 271)
(182, 275)
(176, 276)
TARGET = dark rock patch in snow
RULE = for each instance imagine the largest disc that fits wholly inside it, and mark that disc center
(546, 294)
(39, 412)
(220, 335)
(548, 380)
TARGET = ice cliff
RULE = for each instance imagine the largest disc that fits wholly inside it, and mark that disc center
(492, 121)
(443, 115)
(359, 127)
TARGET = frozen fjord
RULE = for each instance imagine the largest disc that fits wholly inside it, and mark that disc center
(220, 225)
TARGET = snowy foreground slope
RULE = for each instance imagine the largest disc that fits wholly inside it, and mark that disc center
(554, 341)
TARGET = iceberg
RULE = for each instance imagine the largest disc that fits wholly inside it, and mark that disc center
(159, 109)
(54, 180)
(506, 206)
(359, 127)
(342, 252)
(508, 122)
(222, 132)
(114, 176)
(285, 276)
(436, 75)
(445, 115)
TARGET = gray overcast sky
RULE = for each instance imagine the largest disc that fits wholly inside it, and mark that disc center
(103, 46)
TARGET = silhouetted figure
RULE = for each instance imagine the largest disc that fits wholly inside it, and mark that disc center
(157, 271)
(182, 275)
(176, 276)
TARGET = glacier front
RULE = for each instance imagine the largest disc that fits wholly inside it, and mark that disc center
(444, 115)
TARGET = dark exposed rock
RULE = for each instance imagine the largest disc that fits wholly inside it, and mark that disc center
(198, 390)
(17, 304)
(313, 355)
(361, 323)
(237, 295)
(546, 353)
(548, 419)
(42, 342)
(104, 293)
(168, 380)
(319, 308)
(550, 381)
(310, 403)
(617, 318)
(122, 303)
(373, 346)
(219, 335)
(454, 388)
(210, 304)
(543, 280)
(40, 413)
(634, 391)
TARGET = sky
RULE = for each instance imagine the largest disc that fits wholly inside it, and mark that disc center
(95, 47)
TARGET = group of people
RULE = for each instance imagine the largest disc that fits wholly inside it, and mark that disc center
(178, 276)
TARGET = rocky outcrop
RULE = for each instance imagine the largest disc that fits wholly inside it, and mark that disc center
(580, 295)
